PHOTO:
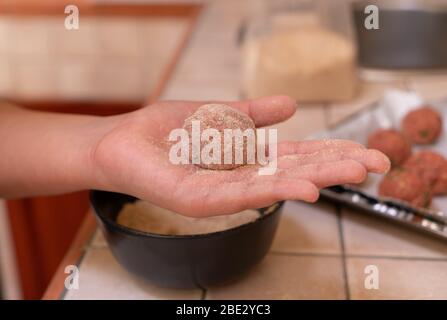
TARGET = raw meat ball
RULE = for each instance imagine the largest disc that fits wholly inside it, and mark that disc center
(440, 187)
(394, 145)
(426, 164)
(405, 185)
(422, 126)
(221, 117)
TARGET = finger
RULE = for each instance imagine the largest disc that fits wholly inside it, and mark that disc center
(285, 189)
(267, 110)
(372, 160)
(328, 174)
(263, 111)
(259, 193)
(311, 146)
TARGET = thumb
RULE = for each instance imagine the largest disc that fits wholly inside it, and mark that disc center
(267, 110)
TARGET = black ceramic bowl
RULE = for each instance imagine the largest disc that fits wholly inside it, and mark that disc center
(192, 261)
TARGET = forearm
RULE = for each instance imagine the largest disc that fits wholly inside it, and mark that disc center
(47, 153)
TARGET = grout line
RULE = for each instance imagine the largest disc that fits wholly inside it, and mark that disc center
(358, 256)
(343, 251)
(365, 256)
(306, 254)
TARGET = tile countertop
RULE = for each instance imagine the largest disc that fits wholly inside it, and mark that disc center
(320, 251)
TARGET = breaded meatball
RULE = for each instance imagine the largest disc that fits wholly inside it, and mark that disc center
(393, 144)
(422, 126)
(428, 165)
(440, 187)
(221, 117)
(406, 186)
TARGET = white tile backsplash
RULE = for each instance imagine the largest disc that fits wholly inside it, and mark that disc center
(81, 42)
(6, 76)
(36, 79)
(108, 58)
(30, 37)
(75, 78)
(120, 37)
(119, 79)
(5, 35)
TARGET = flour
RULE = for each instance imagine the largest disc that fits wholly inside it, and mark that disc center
(309, 63)
(144, 216)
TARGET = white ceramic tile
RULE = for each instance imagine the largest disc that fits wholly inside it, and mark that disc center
(219, 12)
(101, 277)
(98, 241)
(78, 42)
(430, 88)
(215, 32)
(160, 34)
(106, 79)
(288, 277)
(36, 79)
(307, 228)
(205, 71)
(366, 235)
(120, 36)
(30, 36)
(5, 35)
(205, 58)
(6, 77)
(123, 64)
(208, 64)
(119, 79)
(180, 88)
(398, 279)
(75, 78)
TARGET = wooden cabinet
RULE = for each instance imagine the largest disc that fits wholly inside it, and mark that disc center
(42, 230)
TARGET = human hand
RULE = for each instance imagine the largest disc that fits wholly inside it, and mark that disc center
(130, 154)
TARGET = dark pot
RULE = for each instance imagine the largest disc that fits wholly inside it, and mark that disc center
(191, 261)
(412, 34)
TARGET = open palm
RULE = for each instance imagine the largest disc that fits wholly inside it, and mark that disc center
(132, 157)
